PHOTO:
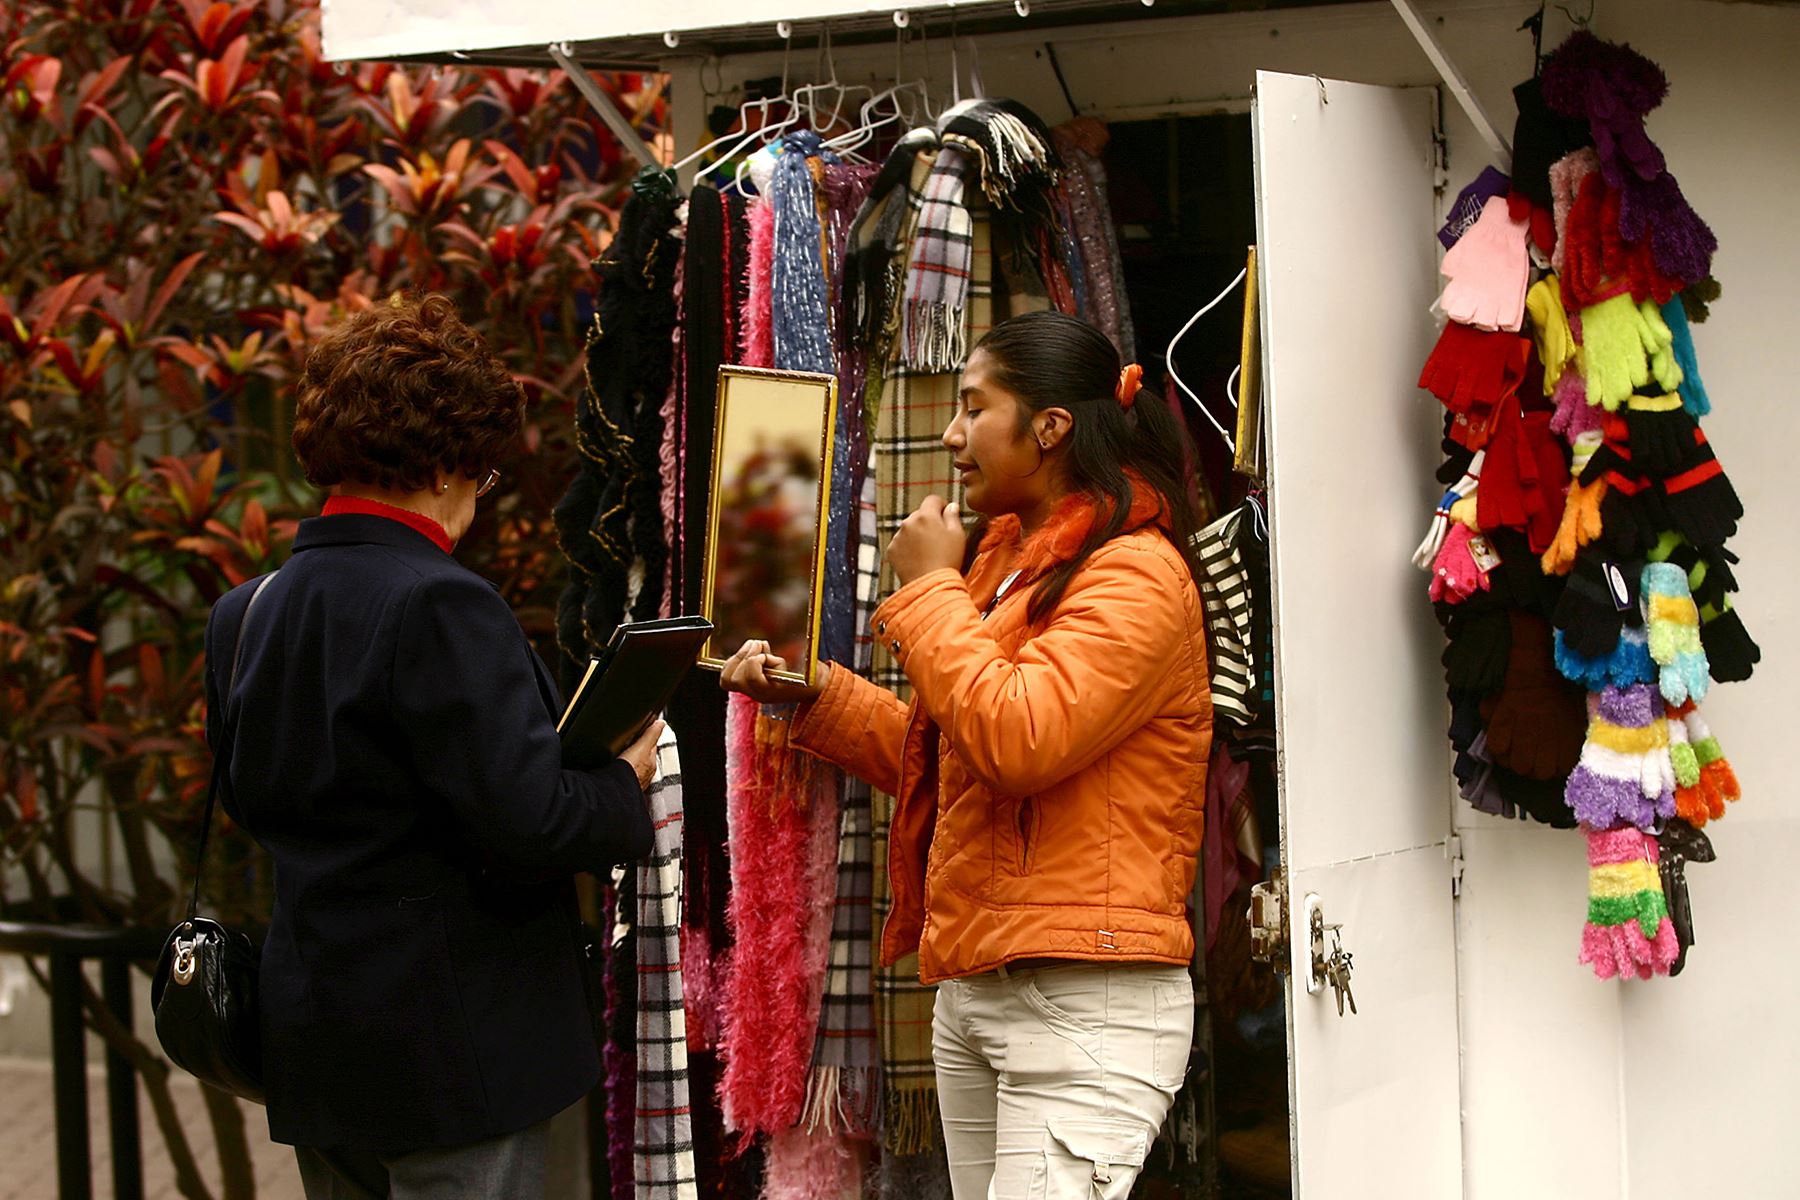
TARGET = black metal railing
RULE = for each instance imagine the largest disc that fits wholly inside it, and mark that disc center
(67, 947)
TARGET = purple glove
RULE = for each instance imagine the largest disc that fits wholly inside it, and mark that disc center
(1488, 269)
(1470, 201)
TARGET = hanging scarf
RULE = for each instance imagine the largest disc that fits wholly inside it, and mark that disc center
(783, 831)
(936, 337)
(799, 319)
(665, 1133)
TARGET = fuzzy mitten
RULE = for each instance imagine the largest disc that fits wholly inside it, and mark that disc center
(1716, 784)
(1487, 271)
(1693, 391)
(1681, 758)
(1674, 625)
(1616, 344)
(1566, 177)
(1574, 416)
(1612, 86)
(1629, 662)
(1624, 774)
(1654, 213)
(1628, 931)
(1580, 526)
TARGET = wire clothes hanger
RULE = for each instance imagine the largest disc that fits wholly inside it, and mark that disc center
(1169, 358)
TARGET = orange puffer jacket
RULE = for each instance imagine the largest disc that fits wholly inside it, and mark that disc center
(1050, 779)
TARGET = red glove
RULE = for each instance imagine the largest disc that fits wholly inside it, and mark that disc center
(1523, 478)
(1472, 371)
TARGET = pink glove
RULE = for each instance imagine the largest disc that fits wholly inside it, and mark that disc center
(1455, 575)
(1488, 270)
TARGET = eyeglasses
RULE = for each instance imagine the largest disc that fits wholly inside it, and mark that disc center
(487, 485)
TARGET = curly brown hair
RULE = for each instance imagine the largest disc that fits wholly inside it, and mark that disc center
(399, 392)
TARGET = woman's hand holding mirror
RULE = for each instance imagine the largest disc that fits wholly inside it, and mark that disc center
(747, 671)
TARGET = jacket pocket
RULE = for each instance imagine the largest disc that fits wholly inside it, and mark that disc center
(1173, 1039)
(1026, 818)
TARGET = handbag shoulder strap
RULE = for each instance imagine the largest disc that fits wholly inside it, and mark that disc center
(222, 754)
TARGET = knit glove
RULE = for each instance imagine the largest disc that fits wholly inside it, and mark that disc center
(1632, 514)
(1717, 784)
(1628, 932)
(1536, 721)
(1550, 329)
(1629, 662)
(1475, 658)
(1654, 213)
(1462, 492)
(1661, 432)
(1599, 600)
(1674, 627)
(1699, 497)
(1456, 575)
(1523, 477)
(1624, 774)
(1730, 654)
(1596, 262)
(1472, 372)
(1487, 270)
(1693, 391)
(1681, 758)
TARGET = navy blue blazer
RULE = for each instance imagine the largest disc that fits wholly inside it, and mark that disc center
(395, 752)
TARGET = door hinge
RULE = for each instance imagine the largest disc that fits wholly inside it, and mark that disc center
(1268, 922)
(1453, 848)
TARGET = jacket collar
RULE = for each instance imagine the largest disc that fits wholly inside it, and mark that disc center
(361, 529)
(1059, 539)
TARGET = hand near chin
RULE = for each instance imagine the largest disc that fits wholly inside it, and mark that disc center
(931, 539)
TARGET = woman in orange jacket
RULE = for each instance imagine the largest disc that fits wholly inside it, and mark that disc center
(1049, 773)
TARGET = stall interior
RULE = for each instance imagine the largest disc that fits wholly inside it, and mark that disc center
(752, 1046)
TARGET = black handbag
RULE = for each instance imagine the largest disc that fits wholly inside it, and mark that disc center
(204, 992)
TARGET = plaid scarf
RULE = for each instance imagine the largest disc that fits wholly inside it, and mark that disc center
(938, 269)
(665, 1140)
(910, 463)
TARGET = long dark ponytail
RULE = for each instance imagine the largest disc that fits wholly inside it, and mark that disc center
(1050, 360)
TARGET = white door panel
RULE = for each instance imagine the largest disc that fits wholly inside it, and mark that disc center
(1348, 273)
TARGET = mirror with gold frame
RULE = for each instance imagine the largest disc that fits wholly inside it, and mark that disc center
(766, 520)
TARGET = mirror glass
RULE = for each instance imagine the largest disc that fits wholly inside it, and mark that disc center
(765, 552)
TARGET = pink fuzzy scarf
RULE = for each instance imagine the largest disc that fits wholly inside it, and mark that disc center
(757, 333)
(783, 831)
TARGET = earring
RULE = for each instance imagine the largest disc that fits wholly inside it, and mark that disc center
(443, 487)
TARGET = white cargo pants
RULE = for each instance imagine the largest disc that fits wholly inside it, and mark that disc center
(1053, 1080)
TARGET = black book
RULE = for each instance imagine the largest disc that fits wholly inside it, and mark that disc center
(626, 686)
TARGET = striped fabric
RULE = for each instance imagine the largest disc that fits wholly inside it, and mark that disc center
(910, 462)
(664, 1142)
(1226, 599)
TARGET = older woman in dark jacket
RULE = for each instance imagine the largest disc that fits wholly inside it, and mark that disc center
(392, 745)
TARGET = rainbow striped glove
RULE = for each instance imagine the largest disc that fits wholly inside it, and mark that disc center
(1628, 932)
(1710, 784)
(1624, 776)
(1674, 625)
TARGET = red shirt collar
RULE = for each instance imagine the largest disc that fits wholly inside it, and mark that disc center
(375, 508)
